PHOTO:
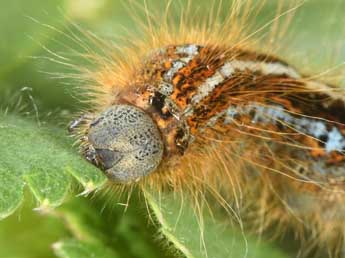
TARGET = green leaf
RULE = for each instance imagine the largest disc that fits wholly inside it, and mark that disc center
(43, 159)
(78, 249)
(195, 237)
(106, 221)
(11, 192)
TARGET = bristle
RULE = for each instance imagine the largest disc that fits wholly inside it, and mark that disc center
(237, 122)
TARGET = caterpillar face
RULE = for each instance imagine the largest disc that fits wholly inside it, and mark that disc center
(125, 143)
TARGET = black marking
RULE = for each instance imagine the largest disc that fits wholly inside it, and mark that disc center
(108, 158)
(182, 138)
(323, 138)
(158, 101)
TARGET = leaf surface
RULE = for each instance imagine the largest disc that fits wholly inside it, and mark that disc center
(41, 158)
(77, 249)
(204, 236)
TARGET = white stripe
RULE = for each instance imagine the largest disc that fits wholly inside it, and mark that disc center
(275, 68)
(229, 68)
(190, 51)
(166, 88)
(276, 114)
(208, 86)
(177, 65)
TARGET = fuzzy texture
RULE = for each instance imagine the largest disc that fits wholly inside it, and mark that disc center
(247, 128)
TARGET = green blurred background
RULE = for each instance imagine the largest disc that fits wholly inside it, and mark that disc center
(316, 39)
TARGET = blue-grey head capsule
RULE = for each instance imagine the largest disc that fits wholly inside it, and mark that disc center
(125, 143)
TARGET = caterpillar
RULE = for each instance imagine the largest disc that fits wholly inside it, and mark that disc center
(200, 107)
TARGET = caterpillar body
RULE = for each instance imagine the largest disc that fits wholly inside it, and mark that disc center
(195, 110)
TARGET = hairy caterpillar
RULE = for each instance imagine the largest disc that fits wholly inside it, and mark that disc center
(200, 107)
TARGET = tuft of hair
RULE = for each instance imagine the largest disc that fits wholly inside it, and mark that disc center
(221, 168)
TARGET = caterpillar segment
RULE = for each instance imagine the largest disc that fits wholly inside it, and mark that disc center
(251, 116)
(188, 89)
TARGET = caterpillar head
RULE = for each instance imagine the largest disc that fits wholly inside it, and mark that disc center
(124, 142)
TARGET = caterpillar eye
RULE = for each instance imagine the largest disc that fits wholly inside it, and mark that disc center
(126, 142)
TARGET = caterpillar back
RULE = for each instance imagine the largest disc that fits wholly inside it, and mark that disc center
(202, 107)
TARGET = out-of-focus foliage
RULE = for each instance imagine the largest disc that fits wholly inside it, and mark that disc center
(103, 228)
(29, 234)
